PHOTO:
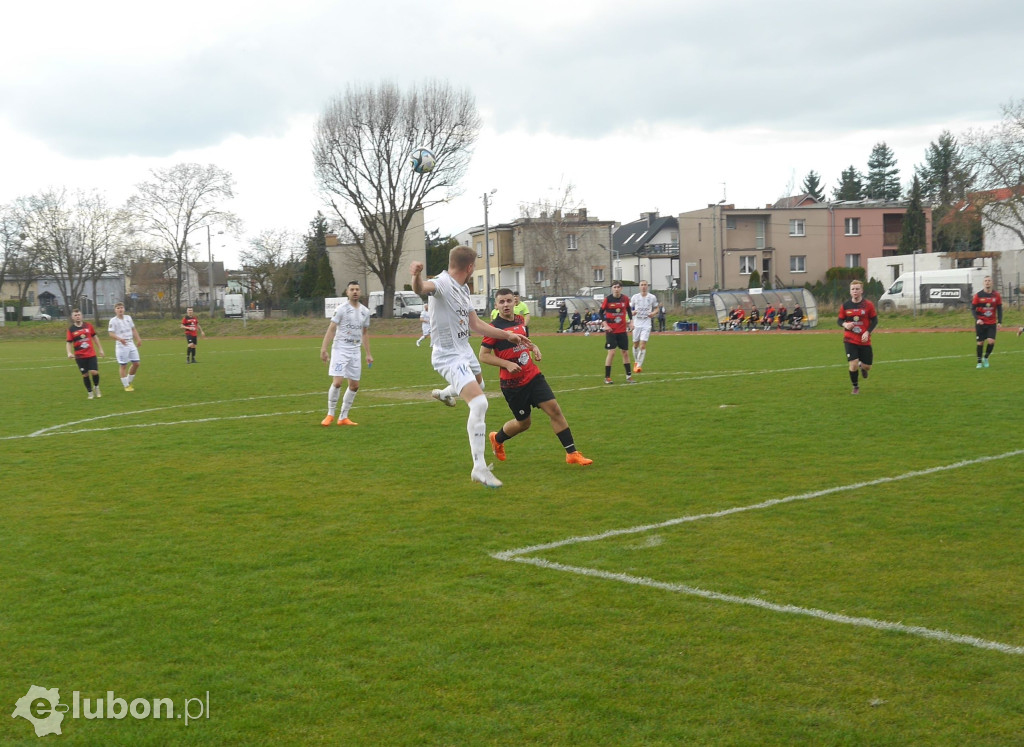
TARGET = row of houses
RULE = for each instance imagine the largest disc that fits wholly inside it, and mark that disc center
(789, 243)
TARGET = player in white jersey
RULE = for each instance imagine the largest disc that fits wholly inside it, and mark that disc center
(349, 328)
(424, 324)
(122, 329)
(452, 318)
(645, 307)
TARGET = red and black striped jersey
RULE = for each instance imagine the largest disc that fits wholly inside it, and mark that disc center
(862, 314)
(509, 352)
(987, 307)
(81, 340)
(191, 325)
(616, 312)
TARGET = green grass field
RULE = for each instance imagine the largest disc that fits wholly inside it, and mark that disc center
(755, 556)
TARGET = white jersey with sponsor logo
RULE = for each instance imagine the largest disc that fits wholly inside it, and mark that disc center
(643, 308)
(122, 327)
(449, 316)
(351, 321)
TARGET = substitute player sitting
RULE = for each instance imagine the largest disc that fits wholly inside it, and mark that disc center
(522, 383)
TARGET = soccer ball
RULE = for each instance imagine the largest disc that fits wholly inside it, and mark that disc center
(422, 160)
(586, 334)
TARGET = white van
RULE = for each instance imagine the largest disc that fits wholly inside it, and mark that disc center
(407, 304)
(933, 289)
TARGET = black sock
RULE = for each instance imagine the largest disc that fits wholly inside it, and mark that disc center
(607, 372)
(88, 386)
(988, 352)
(96, 379)
(566, 438)
(501, 437)
(853, 377)
(629, 370)
(979, 354)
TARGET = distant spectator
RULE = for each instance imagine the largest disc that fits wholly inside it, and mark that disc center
(661, 318)
(576, 324)
(563, 312)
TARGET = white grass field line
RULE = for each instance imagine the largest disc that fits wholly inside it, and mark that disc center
(661, 378)
(521, 555)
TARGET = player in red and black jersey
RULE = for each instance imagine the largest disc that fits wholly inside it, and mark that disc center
(522, 383)
(82, 345)
(617, 322)
(987, 308)
(858, 319)
(190, 323)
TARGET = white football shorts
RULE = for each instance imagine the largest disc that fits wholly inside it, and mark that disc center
(126, 353)
(345, 363)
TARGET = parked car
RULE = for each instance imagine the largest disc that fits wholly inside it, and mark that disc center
(701, 299)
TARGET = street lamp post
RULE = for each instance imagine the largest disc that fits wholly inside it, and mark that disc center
(487, 248)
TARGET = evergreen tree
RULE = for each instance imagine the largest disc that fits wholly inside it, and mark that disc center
(325, 285)
(945, 175)
(850, 187)
(912, 238)
(812, 186)
(883, 175)
(438, 248)
(316, 252)
(755, 280)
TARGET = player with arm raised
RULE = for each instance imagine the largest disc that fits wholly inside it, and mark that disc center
(452, 318)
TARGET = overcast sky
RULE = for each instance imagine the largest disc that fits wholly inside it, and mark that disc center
(661, 105)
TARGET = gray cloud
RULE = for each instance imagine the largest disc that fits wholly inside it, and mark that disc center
(738, 64)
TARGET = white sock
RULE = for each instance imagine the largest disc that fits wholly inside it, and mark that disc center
(449, 391)
(124, 381)
(131, 378)
(346, 403)
(476, 427)
(332, 399)
(640, 357)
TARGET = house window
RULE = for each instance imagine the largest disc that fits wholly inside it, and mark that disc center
(730, 221)
(796, 227)
(798, 263)
(852, 227)
(479, 249)
(490, 247)
(538, 276)
(598, 274)
(99, 299)
(853, 260)
(747, 263)
(572, 242)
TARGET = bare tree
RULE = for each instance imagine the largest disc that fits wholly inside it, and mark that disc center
(272, 262)
(21, 255)
(997, 157)
(361, 151)
(178, 201)
(73, 234)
